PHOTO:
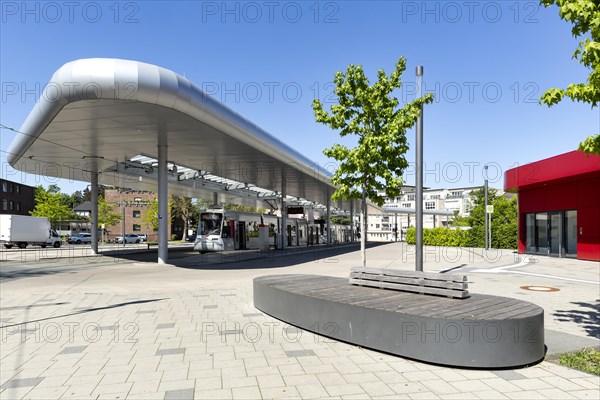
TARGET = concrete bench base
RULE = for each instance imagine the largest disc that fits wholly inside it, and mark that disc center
(480, 331)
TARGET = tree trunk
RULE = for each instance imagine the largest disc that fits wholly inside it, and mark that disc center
(363, 229)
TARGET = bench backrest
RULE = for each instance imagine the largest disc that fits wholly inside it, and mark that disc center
(447, 285)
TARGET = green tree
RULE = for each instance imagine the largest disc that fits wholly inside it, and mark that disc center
(373, 114)
(340, 219)
(49, 203)
(504, 221)
(585, 17)
(181, 208)
(458, 220)
(241, 208)
(77, 198)
(106, 213)
(150, 218)
(53, 189)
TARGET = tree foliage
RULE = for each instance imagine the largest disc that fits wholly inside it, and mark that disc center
(107, 214)
(150, 218)
(504, 221)
(504, 225)
(585, 17)
(340, 219)
(181, 208)
(375, 166)
(373, 169)
(241, 208)
(50, 204)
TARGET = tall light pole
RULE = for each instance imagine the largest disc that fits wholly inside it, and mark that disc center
(485, 212)
(419, 183)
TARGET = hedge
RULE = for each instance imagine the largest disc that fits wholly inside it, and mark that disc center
(502, 238)
(439, 237)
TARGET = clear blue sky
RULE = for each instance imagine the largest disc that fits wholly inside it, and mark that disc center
(486, 62)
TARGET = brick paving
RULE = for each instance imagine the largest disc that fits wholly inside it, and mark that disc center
(101, 329)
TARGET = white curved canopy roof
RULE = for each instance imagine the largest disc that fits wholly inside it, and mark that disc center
(106, 114)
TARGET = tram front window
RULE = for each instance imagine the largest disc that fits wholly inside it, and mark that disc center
(210, 224)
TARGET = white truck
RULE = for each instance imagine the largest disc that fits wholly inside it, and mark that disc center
(23, 230)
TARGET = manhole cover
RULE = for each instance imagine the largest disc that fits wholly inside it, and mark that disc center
(540, 288)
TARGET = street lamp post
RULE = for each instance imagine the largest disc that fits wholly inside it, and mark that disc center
(485, 211)
(419, 177)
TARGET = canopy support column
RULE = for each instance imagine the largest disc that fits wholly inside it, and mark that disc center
(163, 193)
(283, 212)
(328, 217)
(352, 220)
(94, 201)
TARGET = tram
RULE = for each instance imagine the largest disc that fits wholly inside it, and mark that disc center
(221, 230)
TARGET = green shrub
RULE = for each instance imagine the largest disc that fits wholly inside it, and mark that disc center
(439, 236)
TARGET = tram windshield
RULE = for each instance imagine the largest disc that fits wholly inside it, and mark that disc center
(210, 223)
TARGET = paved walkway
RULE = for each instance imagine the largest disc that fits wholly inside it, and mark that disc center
(104, 327)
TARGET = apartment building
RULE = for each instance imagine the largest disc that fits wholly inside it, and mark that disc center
(16, 198)
(390, 226)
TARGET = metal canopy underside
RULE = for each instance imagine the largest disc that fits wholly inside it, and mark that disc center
(98, 114)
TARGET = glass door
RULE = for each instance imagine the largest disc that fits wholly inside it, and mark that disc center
(530, 233)
(541, 232)
(570, 233)
(555, 234)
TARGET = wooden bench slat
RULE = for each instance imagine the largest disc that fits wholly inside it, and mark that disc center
(461, 294)
(410, 281)
(412, 274)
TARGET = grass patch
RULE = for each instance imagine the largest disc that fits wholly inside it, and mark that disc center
(586, 360)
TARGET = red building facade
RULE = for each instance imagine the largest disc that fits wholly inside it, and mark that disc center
(559, 205)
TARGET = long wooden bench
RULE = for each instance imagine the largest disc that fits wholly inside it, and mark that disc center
(447, 285)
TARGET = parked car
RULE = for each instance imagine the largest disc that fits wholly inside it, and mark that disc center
(143, 237)
(79, 238)
(129, 238)
(191, 238)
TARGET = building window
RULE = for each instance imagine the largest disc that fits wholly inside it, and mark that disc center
(137, 213)
(4, 204)
(18, 188)
(137, 228)
(18, 205)
(4, 187)
(430, 205)
(406, 205)
(137, 199)
(12, 187)
(456, 194)
(434, 196)
(376, 226)
(11, 205)
(411, 197)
